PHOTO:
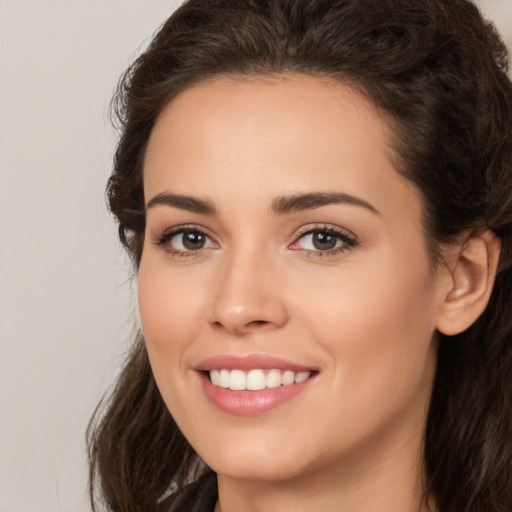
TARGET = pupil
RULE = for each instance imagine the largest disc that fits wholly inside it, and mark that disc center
(324, 241)
(193, 240)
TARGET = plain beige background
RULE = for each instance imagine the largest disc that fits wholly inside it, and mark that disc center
(65, 297)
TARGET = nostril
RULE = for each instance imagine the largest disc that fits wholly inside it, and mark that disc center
(241, 328)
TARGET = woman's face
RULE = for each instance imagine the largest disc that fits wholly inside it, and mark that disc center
(281, 245)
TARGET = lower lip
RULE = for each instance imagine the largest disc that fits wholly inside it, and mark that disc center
(250, 403)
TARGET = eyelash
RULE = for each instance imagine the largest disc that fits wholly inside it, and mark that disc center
(347, 240)
(165, 237)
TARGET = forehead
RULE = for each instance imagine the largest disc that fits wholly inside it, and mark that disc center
(288, 133)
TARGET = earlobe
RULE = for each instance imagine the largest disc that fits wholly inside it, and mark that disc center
(471, 281)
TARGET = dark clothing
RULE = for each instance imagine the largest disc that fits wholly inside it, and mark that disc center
(199, 496)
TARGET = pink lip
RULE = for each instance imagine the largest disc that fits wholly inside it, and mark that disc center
(249, 403)
(249, 362)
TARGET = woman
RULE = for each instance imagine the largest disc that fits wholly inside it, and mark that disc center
(317, 197)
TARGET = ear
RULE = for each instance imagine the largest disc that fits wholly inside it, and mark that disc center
(471, 279)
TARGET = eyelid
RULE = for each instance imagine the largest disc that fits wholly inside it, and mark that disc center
(348, 239)
(161, 238)
(324, 226)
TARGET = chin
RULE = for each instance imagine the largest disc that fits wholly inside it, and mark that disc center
(252, 459)
(263, 469)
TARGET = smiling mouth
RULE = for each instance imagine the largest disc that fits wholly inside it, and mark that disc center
(256, 379)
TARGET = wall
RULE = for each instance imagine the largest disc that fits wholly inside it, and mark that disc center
(64, 299)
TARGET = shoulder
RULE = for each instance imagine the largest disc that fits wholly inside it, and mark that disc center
(199, 496)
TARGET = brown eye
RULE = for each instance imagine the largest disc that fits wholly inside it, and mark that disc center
(186, 241)
(193, 240)
(324, 241)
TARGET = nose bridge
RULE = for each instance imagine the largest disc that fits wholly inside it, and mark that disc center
(248, 292)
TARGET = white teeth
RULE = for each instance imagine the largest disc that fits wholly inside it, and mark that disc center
(215, 377)
(256, 379)
(301, 376)
(224, 378)
(273, 379)
(238, 380)
(288, 378)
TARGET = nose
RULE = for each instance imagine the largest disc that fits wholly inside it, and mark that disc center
(249, 296)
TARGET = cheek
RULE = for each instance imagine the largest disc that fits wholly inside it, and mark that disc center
(169, 310)
(157, 306)
(378, 328)
(169, 301)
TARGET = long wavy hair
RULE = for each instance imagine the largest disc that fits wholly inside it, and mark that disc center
(437, 71)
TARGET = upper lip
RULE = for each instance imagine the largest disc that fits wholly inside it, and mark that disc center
(249, 362)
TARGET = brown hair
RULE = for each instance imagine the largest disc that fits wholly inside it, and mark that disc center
(438, 71)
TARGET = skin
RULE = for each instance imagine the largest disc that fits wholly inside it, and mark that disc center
(364, 317)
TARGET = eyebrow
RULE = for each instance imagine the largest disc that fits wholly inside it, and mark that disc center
(189, 203)
(283, 205)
